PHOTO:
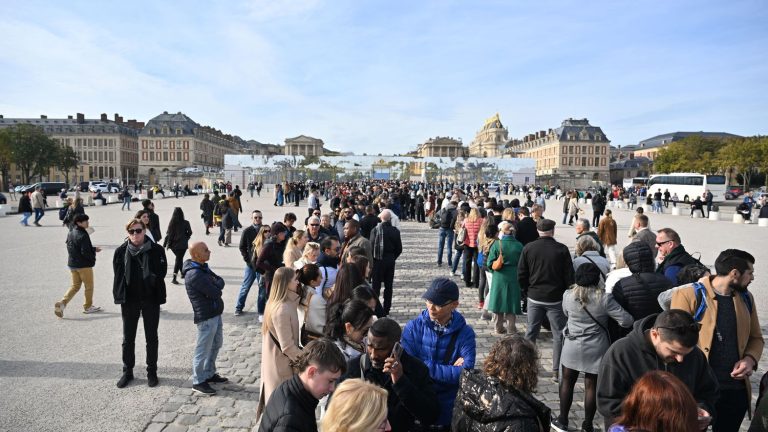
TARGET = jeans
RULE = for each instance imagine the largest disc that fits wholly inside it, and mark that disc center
(38, 214)
(150, 312)
(126, 202)
(210, 337)
(459, 253)
(730, 409)
(445, 234)
(80, 276)
(657, 206)
(249, 278)
(557, 320)
(25, 218)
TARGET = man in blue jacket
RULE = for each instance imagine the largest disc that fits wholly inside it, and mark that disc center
(441, 338)
(204, 289)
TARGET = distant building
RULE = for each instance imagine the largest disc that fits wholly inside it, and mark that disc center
(303, 145)
(441, 147)
(650, 147)
(490, 140)
(575, 155)
(170, 142)
(107, 149)
(619, 153)
(629, 168)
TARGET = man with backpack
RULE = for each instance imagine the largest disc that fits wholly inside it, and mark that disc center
(447, 218)
(730, 334)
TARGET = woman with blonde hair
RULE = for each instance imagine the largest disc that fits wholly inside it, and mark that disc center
(294, 247)
(357, 406)
(471, 225)
(280, 333)
(309, 256)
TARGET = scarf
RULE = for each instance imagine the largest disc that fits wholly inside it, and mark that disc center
(139, 252)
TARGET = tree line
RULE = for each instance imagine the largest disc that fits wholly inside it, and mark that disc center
(34, 153)
(745, 157)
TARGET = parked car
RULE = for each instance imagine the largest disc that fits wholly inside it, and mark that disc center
(104, 187)
(3, 200)
(733, 192)
(50, 189)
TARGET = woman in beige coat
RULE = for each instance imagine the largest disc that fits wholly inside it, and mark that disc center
(280, 334)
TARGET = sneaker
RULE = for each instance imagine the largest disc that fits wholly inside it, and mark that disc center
(557, 426)
(451, 273)
(480, 305)
(261, 318)
(204, 388)
(238, 312)
(92, 309)
(58, 309)
(216, 379)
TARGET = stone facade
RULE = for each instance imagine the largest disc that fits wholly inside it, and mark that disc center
(442, 147)
(303, 145)
(490, 140)
(170, 142)
(650, 147)
(107, 149)
(575, 155)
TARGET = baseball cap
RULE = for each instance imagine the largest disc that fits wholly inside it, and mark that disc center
(442, 291)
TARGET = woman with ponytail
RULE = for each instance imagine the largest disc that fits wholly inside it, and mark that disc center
(347, 326)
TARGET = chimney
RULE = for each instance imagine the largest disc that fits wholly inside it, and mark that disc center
(120, 120)
(69, 117)
(43, 117)
(543, 133)
(80, 118)
(104, 117)
(117, 118)
(1, 116)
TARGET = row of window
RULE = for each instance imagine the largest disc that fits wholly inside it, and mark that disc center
(165, 156)
(583, 161)
(165, 131)
(164, 144)
(582, 149)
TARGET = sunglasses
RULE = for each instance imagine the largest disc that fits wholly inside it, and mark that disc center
(662, 243)
(314, 224)
(135, 231)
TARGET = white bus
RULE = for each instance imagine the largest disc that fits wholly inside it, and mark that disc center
(688, 186)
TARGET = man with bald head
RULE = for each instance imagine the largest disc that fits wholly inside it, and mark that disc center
(386, 247)
(204, 289)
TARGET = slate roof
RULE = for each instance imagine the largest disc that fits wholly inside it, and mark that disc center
(172, 122)
(662, 140)
(55, 126)
(581, 129)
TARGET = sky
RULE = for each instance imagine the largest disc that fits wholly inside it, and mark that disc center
(384, 76)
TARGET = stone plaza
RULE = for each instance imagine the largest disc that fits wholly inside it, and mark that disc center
(60, 374)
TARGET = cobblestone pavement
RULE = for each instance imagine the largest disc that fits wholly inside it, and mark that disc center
(233, 408)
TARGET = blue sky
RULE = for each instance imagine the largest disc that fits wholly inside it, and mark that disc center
(383, 76)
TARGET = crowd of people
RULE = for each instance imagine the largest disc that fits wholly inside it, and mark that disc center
(651, 328)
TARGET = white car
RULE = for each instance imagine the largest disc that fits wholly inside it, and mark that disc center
(104, 187)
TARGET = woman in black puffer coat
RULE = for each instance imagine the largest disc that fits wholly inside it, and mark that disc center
(177, 239)
(499, 398)
(638, 294)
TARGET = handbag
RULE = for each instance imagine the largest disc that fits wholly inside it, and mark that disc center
(307, 335)
(498, 264)
(461, 238)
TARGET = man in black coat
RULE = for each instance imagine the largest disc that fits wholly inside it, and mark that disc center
(81, 260)
(246, 250)
(666, 341)
(598, 207)
(204, 289)
(526, 227)
(292, 405)
(406, 379)
(368, 222)
(545, 271)
(387, 247)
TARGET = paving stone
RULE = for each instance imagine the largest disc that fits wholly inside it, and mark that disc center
(165, 417)
(187, 419)
(155, 427)
(176, 428)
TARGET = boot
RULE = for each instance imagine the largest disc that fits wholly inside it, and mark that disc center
(125, 379)
(511, 329)
(499, 321)
(174, 281)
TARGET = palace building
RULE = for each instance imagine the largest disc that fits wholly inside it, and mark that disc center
(575, 155)
(442, 147)
(303, 145)
(490, 140)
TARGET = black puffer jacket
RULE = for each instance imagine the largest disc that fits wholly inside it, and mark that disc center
(638, 293)
(483, 404)
(290, 408)
(204, 290)
(81, 252)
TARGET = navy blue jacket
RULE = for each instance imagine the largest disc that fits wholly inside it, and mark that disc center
(421, 341)
(204, 290)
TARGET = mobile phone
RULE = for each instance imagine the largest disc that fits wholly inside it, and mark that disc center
(397, 349)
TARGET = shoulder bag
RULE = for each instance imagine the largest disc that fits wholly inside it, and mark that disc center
(498, 264)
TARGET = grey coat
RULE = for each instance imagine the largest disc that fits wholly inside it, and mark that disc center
(585, 341)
